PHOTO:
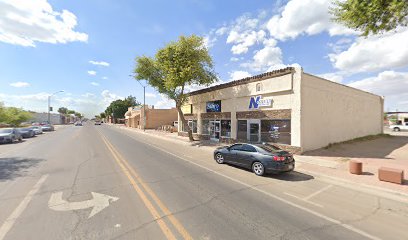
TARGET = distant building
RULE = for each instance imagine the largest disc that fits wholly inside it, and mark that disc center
(154, 117)
(55, 118)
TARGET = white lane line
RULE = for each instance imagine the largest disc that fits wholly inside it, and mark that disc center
(8, 224)
(345, 225)
(310, 202)
(317, 192)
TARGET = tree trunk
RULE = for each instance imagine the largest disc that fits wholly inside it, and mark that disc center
(184, 122)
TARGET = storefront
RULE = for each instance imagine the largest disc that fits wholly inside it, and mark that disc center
(287, 107)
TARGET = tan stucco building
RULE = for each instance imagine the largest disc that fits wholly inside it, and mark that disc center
(155, 118)
(288, 107)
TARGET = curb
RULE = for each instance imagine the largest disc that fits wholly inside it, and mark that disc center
(378, 191)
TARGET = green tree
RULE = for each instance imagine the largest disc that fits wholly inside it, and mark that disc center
(70, 111)
(119, 107)
(77, 114)
(63, 110)
(102, 115)
(371, 16)
(15, 116)
(3, 116)
(176, 66)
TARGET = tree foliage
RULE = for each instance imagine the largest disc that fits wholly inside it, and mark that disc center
(63, 110)
(175, 66)
(119, 107)
(371, 16)
(13, 116)
(102, 115)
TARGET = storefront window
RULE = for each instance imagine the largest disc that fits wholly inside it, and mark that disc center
(226, 128)
(277, 131)
(242, 130)
(192, 124)
(205, 126)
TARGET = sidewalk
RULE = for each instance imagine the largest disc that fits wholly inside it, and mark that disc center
(330, 167)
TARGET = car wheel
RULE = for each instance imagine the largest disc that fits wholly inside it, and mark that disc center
(258, 168)
(219, 158)
(20, 139)
(396, 129)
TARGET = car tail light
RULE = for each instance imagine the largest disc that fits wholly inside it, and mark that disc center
(277, 158)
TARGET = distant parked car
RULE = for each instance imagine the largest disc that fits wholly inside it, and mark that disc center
(97, 122)
(26, 132)
(78, 123)
(9, 135)
(47, 127)
(37, 130)
(399, 127)
(261, 158)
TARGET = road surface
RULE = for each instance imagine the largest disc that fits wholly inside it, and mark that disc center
(102, 182)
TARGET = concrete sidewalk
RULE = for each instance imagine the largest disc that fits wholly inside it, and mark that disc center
(331, 168)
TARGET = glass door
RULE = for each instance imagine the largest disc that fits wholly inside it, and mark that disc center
(215, 130)
(254, 133)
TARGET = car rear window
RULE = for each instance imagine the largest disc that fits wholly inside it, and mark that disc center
(6, 130)
(269, 148)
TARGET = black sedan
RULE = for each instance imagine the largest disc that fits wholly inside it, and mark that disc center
(261, 158)
(26, 132)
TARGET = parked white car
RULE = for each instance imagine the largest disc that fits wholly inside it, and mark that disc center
(397, 128)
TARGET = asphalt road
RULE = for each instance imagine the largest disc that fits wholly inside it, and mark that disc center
(101, 182)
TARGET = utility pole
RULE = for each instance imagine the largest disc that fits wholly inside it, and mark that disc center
(144, 102)
(49, 105)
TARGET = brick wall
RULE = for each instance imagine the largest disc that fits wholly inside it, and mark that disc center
(271, 114)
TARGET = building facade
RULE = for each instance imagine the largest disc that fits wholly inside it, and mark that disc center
(287, 107)
(55, 118)
(155, 118)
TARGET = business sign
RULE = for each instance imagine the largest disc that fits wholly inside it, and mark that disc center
(187, 109)
(258, 101)
(214, 106)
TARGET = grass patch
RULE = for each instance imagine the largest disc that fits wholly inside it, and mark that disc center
(359, 139)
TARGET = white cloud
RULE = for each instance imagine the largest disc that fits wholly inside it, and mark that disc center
(304, 17)
(244, 40)
(236, 75)
(88, 95)
(27, 22)
(150, 95)
(20, 84)
(104, 78)
(164, 102)
(92, 73)
(335, 77)
(374, 53)
(234, 59)
(100, 63)
(390, 84)
(94, 84)
(270, 56)
(108, 97)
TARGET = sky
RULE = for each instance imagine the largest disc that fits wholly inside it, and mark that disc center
(87, 48)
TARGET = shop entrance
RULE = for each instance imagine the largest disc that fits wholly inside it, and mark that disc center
(215, 129)
(254, 130)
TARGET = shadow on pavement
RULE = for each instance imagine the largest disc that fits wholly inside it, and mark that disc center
(376, 148)
(291, 176)
(11, 168)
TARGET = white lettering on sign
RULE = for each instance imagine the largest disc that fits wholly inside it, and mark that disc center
(258, 101)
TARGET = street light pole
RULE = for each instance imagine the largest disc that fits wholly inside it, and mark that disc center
(144, 103)
(49, 105)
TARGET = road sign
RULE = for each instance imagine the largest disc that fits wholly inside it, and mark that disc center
(98, 203)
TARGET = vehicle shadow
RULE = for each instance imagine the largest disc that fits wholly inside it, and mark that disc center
(292, 176)
(11, 168)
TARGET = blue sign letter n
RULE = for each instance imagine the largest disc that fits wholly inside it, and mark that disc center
(253, 102)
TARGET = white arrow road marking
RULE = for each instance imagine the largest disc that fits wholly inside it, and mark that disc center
(98, 202)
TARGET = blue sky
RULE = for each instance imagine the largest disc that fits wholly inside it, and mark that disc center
(47, 46)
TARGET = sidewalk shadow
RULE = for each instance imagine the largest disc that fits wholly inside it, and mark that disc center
(11, 168)
(376, 148)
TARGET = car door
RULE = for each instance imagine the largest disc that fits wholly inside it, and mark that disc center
(247, 155)
(234, 153)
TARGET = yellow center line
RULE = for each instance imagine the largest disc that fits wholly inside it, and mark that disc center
(163, 226)
(165, 210)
